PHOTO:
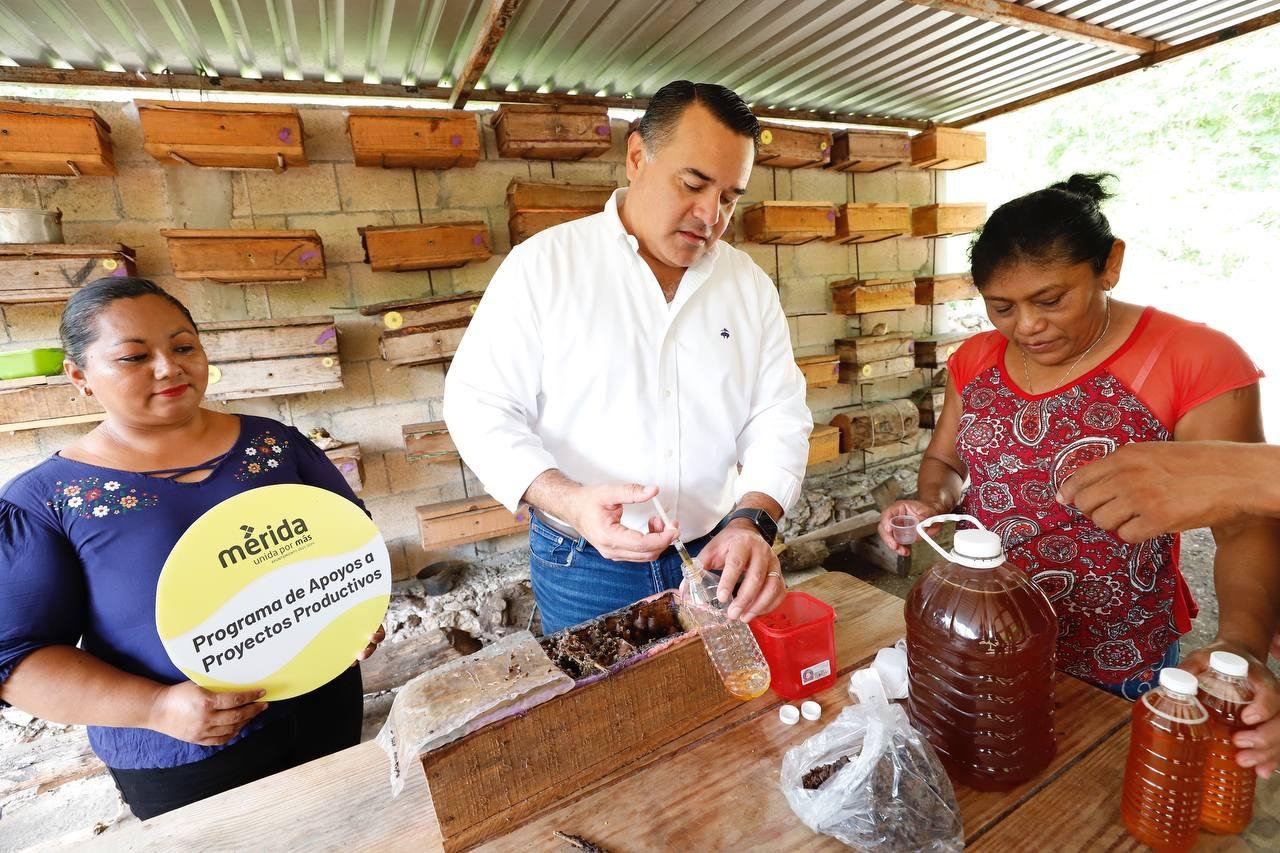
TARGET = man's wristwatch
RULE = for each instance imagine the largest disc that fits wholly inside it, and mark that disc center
(764, 523)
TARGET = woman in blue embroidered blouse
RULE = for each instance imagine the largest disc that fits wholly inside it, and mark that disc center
(84, 535)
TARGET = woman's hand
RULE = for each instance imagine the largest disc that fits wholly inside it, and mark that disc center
(377, 637)
(189, 712)
(1259, 745)
(919, 510)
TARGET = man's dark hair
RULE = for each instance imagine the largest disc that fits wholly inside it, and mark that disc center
(79, 319)
(1062, 223)
(668, 104)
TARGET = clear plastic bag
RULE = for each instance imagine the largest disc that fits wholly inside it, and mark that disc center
(873, 782)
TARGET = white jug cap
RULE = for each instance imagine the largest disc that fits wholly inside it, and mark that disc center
(811, 710)
(1178, 681)
(977, 544)
(1228, 663)
(789, 714)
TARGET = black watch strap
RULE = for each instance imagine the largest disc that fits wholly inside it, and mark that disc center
(763, 522)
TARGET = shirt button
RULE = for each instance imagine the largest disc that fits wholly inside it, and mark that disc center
(667, 394)
(669, 454)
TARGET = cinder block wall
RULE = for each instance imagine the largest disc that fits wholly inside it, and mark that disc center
(335, 197)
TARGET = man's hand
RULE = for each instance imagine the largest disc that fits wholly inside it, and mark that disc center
(1148, 488)
(189, 712)
(1260, 745)
(746, 561)
(596, 513)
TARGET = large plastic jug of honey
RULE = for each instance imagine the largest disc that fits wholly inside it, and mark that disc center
(981, 640)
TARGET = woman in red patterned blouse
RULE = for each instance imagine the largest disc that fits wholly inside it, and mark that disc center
(1069, 375)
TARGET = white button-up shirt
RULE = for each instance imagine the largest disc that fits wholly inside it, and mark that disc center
(575, 360)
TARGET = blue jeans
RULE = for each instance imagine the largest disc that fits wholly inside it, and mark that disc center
(1135, 687)
(573, 583)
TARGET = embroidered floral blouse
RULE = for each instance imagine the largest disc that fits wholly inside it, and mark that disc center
(81, 549)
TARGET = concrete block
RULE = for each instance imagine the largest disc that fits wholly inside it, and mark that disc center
(240, 202)
(365, 188)
(805, 295)
(150, 249)
(403, 476)
(53, 439)
(304, 190)
(324, 134)
(782, 184)
(820, 329)
(406, 217)
(305, 298)
(18, 191)
(356, 393)
(591, 172)
(819, 185)
(914, 255)
(200, 198)
(488, 139)
(826, 400)
(619, 129)
(475, 276)
(369, 287)
(876, 258)
(485, 185)
(34, 323)
(358, 339)
(817, 258)
(276, 408)
(143, 192)
(207, 301)
(766, 257)
(339, 232)
(377, 428)
(759, 187)
(793, 331)
(875, 187)
(892, 321)
(393, 385)
(375, 476)
(20, 445)
(80, 199)
(915, 320)
(126, 132)
(278, 222)
(914, 186)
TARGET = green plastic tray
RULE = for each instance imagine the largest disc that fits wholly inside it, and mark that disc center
(22, 363)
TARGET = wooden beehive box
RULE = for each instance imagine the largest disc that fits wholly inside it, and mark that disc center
(346, 458)
(530, 761)
(935, 351)
(785, 146)
(789, 223)
(864, 296)
(444, 525)
(820, 371)
(931, 406)
(534, 206)
(429, 442)
(40, 139)
(948, 148)
(430, 343)
(871, 222)
(425, 311)
(874, 347)
(237, 256)
(51, 272)
(421, 139)
(247, 358)
(869, 150)
(946, 220)
(222, 136)
(860, 372)
(424, 247)
(564, 132)
(932, 290)
(876, 424)
(824, 445)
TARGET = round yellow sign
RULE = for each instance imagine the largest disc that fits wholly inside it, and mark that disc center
(277, 588)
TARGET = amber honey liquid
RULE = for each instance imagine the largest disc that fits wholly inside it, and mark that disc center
(1227, 807)
(1163, 776)
(747, 684)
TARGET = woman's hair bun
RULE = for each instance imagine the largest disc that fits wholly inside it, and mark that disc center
(1090, 186)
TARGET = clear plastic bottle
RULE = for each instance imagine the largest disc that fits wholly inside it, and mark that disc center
(1227, 807)
(1164, 774)
(981, 646)
(730, 644)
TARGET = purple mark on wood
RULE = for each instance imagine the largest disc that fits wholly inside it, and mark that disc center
(602, 130)
(831, 215)
(347, 467)
(477, 239)
(284, 134)
(455, 140)
(306, 256)
(327, 334)
(119, 272)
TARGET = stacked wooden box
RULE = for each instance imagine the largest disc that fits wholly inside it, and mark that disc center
(239, 256)
(871, 357)
(41, 139)
(565, 132)
(52, 272)
(423, 331)
(419, 139)
(222, 136)
(534, 206)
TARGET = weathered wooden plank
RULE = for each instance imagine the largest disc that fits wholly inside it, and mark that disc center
(824, 444)
(871, 223)
(527, 194)
(424, 247)
(567, 132)
(935, 351)
(789, 222)
(874, 347)
(245, 340)
(451, 523)
(932, 290)
(869, 371)
(422, 312)
(273, 377)
(393, 664)
(429, 442)
(785, 146)
(34, 272)
(47, 763)
(875, 424)
(409, 138)
(945, 220)
(869, 150)
(820, 371)
(930, 406)
(866, 296)
(235, 255)
(523, 224)
(222, 136)
(44, 139)
(948, 148)
(427, 344)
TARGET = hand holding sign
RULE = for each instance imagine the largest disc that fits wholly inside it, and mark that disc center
(189, 712)
(279, 588)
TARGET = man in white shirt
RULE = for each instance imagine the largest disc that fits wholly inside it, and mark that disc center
(631, 354)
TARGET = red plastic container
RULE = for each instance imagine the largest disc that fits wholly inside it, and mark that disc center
(799, 642)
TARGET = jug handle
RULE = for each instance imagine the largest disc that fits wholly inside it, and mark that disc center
(938, 519)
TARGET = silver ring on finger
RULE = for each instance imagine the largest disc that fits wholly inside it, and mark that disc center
(777, 574)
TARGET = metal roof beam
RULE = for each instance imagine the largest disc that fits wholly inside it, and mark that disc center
(1145, 61)
(1027, 18)
(501, 13)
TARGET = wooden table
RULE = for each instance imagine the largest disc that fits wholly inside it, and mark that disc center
(715, 788)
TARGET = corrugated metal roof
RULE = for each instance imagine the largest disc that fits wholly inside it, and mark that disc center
(880, 57)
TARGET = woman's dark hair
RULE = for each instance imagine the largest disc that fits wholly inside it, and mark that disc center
(669, 103)
(78, 327)
(1062, 223)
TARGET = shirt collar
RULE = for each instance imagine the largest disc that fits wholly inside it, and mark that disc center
(613, 223)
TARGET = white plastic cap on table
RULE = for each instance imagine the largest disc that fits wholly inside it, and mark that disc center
(811, 710)
(789, 714)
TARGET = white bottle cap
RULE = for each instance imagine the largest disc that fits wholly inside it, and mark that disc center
(789, 714)
(1229, 664)
(977, 544)
(811, 710)
(1178, 681)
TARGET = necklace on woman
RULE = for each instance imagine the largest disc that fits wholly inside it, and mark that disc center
(1026, 368)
